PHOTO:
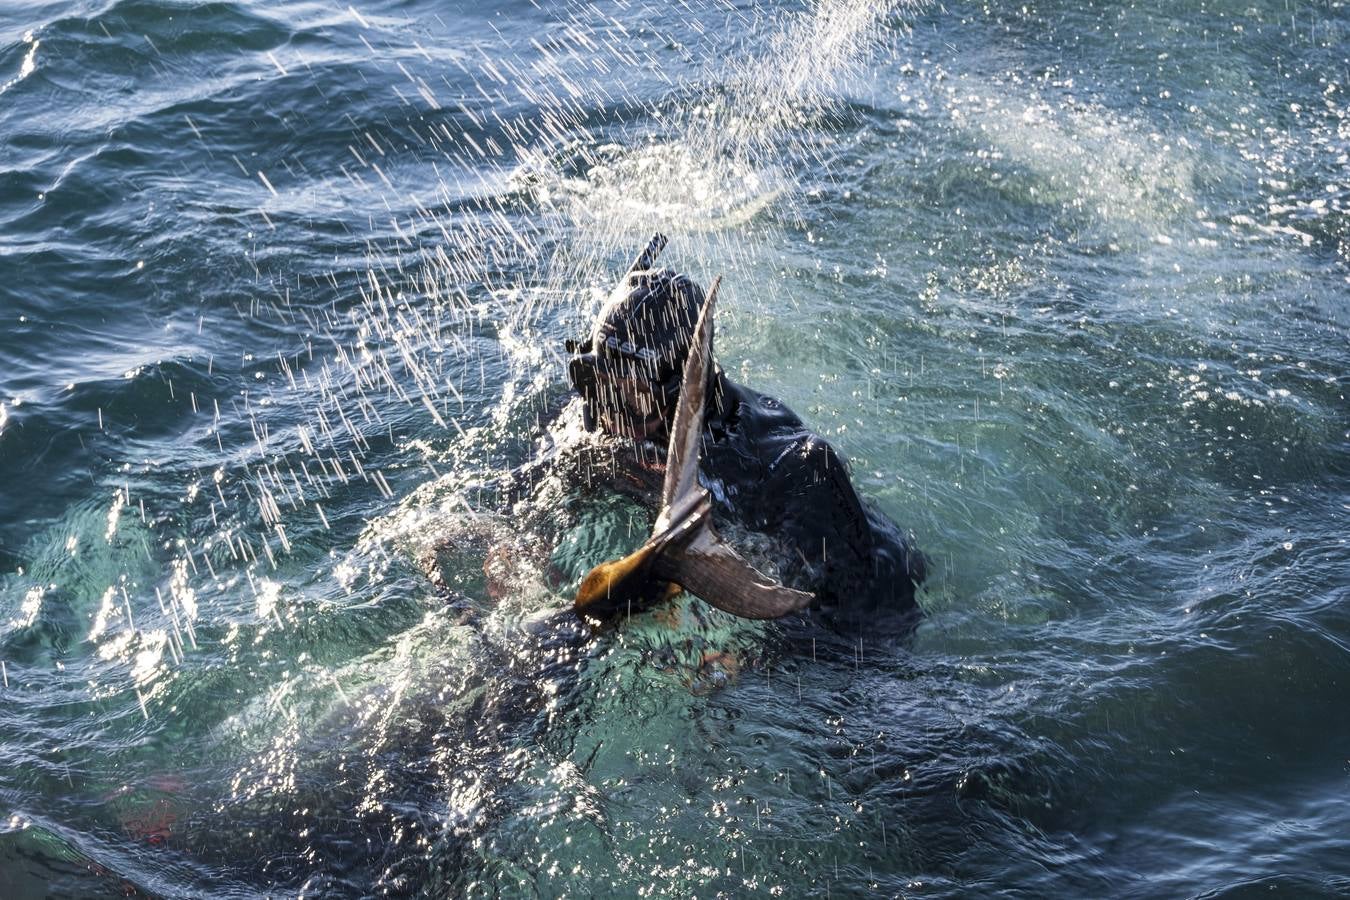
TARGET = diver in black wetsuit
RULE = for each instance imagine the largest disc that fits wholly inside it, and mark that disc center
(765, 469)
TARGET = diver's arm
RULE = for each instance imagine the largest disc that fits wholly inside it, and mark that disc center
(821, 511)
(860, 561)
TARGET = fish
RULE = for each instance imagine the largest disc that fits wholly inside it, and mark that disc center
(685, 552)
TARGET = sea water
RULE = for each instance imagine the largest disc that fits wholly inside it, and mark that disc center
(283, 294)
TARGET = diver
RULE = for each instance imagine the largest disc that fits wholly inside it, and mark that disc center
(764, 469)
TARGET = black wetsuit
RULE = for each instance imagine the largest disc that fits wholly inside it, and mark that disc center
(769, 473)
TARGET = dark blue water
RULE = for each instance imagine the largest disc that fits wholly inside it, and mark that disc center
(283, 290)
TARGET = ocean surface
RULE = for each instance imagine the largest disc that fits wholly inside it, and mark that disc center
(283, 294)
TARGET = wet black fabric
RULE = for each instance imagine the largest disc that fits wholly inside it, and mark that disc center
(768, 472)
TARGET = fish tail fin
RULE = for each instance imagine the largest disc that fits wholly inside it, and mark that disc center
(619, 584)
(692, 555)
(697, 558)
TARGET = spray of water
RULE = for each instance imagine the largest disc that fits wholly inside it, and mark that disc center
(450, 315)
(446, 325)
(713, 159)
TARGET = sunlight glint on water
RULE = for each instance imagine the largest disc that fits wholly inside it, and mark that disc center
(1064, 283)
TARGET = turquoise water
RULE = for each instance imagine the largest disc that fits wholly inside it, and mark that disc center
(284, 292)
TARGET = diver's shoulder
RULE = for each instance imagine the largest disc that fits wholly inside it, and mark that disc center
(762, 409)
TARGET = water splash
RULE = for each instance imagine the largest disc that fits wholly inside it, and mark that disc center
(1093, 162)
(718, 157)
(441, 319)
(436, 322)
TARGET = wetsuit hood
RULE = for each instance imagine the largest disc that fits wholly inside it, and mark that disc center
(629, 370)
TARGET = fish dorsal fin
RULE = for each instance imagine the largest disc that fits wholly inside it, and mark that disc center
(686, 431)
